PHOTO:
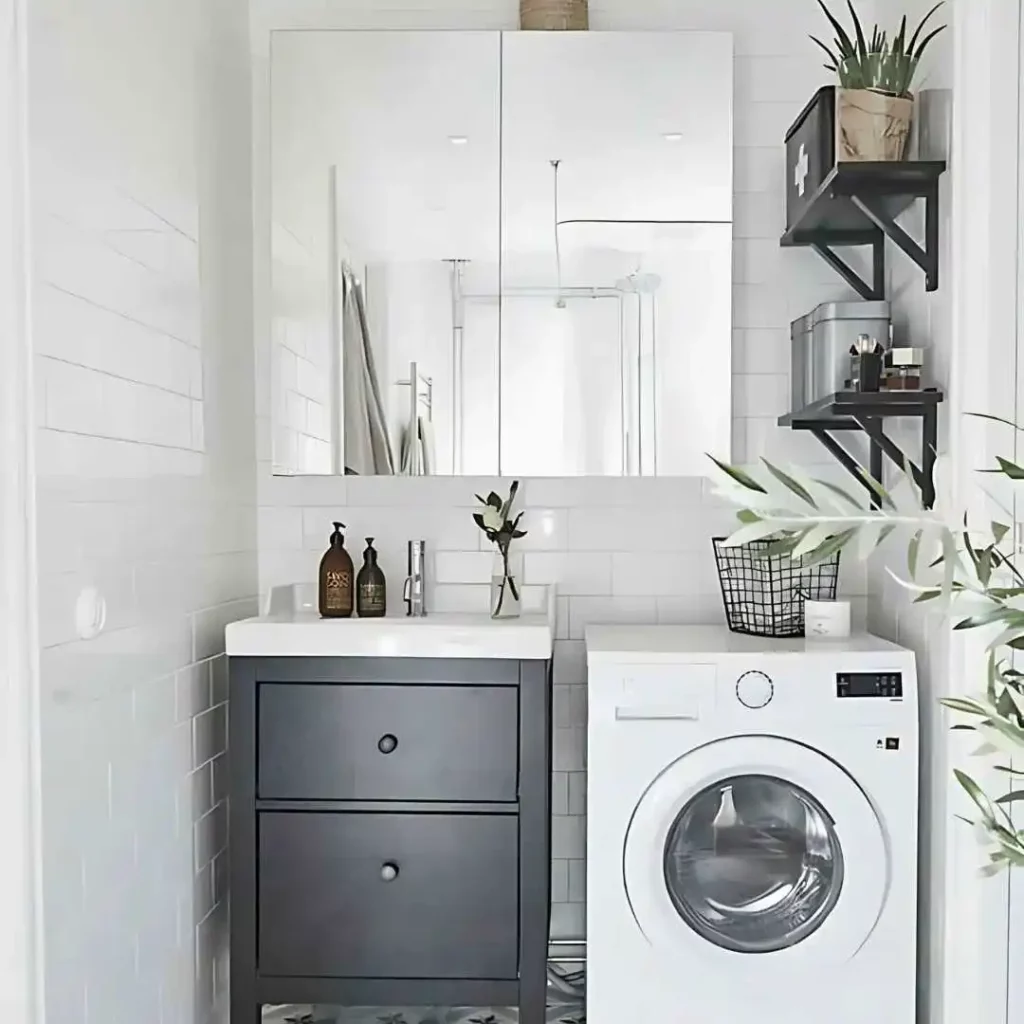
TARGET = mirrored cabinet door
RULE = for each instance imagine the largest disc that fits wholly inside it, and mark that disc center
(616, 252)
(500, 252)
(385, 197)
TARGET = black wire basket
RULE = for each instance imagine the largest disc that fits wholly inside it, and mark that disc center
(764, 594)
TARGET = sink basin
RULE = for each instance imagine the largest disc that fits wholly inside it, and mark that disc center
(292, 627)
(292, 597)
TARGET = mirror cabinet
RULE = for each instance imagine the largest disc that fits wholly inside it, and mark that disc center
(500, 253)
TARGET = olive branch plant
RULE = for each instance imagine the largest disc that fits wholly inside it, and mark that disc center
(966, 572)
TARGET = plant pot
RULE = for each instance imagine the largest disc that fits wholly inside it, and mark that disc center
(872, 125)
(506, 587)
(554, 15)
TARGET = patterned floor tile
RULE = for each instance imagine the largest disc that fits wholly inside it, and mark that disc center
(416, 1015)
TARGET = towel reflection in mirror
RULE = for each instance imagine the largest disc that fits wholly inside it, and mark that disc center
(367, 447)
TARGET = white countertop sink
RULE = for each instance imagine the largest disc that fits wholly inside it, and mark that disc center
(294, 629)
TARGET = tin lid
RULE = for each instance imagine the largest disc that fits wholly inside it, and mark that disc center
(803, 324)
(857, 310)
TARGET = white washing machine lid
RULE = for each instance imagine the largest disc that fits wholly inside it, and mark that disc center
(756, 853)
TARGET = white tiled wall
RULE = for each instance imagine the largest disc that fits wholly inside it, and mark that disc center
(301, 357)
(620, 550)
(141, 301)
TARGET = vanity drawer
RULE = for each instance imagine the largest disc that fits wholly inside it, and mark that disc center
(361, 895)
(415, 742)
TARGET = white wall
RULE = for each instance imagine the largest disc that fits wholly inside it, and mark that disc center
(301, 354)
(620, 550)
(141, 302)
(19, 876)
(968, 329)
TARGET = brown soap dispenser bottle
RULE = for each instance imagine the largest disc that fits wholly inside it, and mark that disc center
(336, 583)
(371, 593)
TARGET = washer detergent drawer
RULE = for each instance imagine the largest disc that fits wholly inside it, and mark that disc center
(668, 692)
(352, 895)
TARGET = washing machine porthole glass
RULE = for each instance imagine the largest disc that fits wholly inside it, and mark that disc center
(753, 864)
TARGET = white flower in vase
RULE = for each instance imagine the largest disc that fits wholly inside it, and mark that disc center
(501, 528)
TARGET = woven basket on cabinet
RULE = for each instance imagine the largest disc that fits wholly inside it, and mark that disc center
(557, 15)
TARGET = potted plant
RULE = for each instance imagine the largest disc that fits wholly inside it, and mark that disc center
(501, 528)
(557, 15)
(874, 107)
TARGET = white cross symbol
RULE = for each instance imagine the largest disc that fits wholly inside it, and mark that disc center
(803, 166)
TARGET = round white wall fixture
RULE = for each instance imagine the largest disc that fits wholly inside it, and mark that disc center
(90, 613)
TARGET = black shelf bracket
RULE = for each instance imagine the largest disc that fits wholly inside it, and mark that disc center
(857, 204)
(865, 413)
(926, 257)
(870, 292)
(839, 452)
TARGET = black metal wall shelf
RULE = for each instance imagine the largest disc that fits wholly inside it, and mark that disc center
(866, 411)
(857, 204)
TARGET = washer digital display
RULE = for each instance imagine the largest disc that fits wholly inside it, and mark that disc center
(869, 684)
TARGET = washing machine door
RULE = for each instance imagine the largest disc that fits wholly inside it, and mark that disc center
(756, 852)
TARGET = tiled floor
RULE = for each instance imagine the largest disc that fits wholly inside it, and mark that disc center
(422, 1015)
(435, 1015)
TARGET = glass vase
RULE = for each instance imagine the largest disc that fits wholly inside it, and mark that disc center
(506, 583)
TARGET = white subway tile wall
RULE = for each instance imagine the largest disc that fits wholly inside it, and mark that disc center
(301, 357)
(619, 550)
(141, 300)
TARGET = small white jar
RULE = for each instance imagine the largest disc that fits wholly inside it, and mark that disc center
(826, 620)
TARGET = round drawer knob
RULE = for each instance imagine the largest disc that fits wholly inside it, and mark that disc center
(386, 744)
(388, 872)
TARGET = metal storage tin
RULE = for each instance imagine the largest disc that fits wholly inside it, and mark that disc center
(821, 346)
(801, 333)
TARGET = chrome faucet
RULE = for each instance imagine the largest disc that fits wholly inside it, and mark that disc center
(416, 582)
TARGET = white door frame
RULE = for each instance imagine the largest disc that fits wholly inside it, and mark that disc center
(20, 964)
(969, 958)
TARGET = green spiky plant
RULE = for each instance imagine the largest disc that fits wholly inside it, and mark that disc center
(884, 66)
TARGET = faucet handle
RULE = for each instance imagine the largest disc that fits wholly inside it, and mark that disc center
(415, 583)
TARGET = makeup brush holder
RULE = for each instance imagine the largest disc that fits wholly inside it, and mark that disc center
(866, 371)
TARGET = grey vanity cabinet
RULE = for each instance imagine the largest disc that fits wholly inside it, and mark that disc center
(389, 895)
(389, 828)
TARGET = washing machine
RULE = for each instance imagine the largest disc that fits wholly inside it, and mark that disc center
(752, 829)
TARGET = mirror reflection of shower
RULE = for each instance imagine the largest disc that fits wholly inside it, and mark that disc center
(642, 457)
(639, 284)
(576, 384)
(503, 249)
(560, 300)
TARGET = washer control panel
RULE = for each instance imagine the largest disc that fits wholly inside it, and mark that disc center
(754, 689)
(870, 684)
